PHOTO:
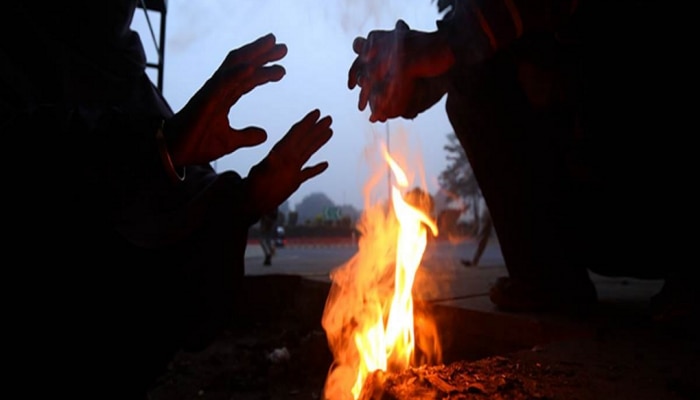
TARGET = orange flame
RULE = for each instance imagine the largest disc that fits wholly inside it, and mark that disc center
(369, 317)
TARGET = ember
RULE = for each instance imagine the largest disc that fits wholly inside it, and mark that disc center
(491, 378)
(369, 316)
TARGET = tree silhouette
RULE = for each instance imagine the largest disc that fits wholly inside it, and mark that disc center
(458, 177)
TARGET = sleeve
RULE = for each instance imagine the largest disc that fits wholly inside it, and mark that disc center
(92, 195)
(478, 28)
(86, 190)
(146, 205)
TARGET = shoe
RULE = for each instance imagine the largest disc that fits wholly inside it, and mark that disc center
(676, 304)
(518, 296)
(268, 260)
(467, 263)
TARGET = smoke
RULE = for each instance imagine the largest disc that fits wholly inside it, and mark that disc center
(358, 16)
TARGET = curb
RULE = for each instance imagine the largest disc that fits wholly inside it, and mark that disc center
(312, 243)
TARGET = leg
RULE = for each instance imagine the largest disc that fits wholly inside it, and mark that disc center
(483, 241)
(481, 246)
(516, 154)
(267, 249)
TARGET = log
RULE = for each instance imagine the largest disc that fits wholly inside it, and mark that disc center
(489, 378)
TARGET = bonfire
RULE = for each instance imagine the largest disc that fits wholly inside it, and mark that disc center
(369, 315)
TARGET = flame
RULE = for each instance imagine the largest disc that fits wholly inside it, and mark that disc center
(369, 314)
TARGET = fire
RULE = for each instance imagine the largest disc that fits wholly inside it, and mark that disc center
(369, 315)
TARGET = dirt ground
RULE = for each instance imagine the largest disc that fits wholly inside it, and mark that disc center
(244, 364)
(250, 364)
(276, 350)
(281, 352)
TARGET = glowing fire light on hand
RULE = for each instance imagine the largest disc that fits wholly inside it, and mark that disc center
(369, 319)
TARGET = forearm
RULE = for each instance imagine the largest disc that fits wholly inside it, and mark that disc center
(479, 28)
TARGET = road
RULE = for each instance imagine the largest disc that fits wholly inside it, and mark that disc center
(440, 277)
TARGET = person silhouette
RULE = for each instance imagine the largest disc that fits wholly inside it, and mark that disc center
(268, 222)
(552, 159)
(484, 236)
(146, 241)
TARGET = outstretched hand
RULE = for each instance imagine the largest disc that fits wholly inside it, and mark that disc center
(399, 71)
(282, 171)
(201, 132)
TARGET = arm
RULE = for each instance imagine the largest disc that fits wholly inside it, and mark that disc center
(477, 28)
(402, 72)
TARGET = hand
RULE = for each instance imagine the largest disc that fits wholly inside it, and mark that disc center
(201, 132)
(400, 72)
(282, 171)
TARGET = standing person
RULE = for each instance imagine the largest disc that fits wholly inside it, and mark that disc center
(132, 246)
(486, 227)
(551, 160)
(268, 222)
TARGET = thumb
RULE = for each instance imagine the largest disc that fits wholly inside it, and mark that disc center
(246, 137)
(402, 25)
(310, 172)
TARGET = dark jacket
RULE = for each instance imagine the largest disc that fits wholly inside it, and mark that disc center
(127, 267)
(548, 104)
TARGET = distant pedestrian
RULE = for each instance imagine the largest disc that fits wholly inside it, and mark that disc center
(484, 236)
(267, 231)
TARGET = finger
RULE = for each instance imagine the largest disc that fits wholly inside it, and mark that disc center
(262, 76)
(246, 137)
(377, 116)
(303, 141)
(353, 73)
(238, 81)
(307, 140)
(310, 172)
(292, 138)
(372, 45)
(358, 44)
(276, 53)
(325, 122)
(306, 123)
(401, 25)
(374, 98)
(322, 124)
(309, 119)
(364, 97)
(251, 50)
(377, 109)
(315, 139)
(363, 74)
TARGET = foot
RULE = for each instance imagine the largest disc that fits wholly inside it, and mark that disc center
(518, 296)
(268, 260)
(676, 304)
(468, 263)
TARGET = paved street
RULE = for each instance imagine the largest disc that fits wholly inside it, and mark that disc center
(616, 351)
(441, 277)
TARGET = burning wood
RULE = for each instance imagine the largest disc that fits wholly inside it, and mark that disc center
(489, 378)
(369, 316)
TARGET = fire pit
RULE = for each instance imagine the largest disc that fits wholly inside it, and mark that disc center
(386, 348)
(240, 364)
(360, 336)
(369, 316)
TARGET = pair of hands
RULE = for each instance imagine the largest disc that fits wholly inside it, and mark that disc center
(201, 132)
(400, 72)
